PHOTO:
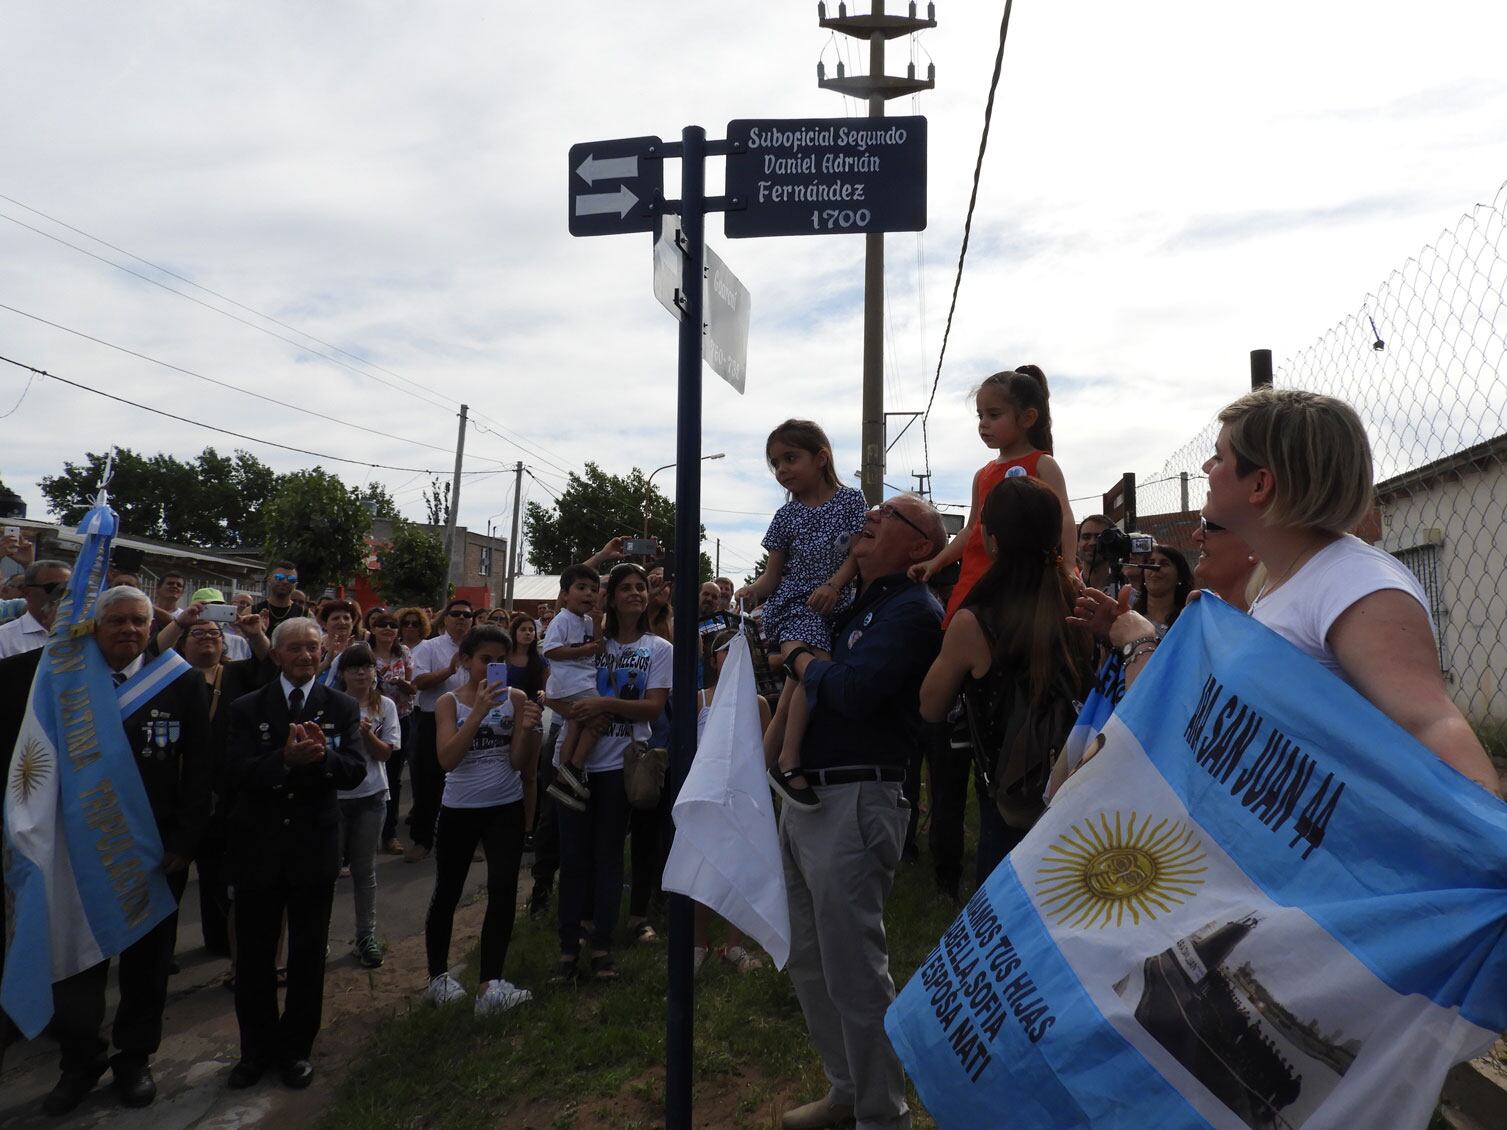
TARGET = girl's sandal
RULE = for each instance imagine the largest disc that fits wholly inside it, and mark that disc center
(802, 797)
(602, 968)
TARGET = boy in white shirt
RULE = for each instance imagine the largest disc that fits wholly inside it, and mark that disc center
(571, 645)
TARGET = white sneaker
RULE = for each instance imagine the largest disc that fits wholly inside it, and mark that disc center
(499, 996)
(444, 990)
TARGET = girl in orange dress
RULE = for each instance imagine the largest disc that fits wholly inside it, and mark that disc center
(1015, 421)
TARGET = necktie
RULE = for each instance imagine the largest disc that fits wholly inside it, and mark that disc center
(117, 677)
(295, 702)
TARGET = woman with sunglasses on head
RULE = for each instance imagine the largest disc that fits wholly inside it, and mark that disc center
(635, 664)
(437, 669)
(1291, 474)
(395, 680)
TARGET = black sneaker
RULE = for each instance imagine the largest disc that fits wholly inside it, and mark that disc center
(538, 902)
(575, 779)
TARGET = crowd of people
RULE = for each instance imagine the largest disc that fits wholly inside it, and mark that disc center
(882, 649)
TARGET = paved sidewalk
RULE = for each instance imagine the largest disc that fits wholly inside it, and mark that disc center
(200, 1040)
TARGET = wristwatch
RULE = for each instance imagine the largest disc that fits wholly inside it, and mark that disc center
(790, 672)
(1128, 651)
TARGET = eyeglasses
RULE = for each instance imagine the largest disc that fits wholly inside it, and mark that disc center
(460, 612)
(51, 589)
(391, 623)
(205, 634)
(291, 578)
(1209, 527)
(885, 510)
(413, 624)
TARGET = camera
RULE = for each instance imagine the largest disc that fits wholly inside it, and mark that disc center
(1115, 546)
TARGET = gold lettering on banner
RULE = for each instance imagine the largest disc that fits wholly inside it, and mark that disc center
(117, 852)
(80, 738)
(67, 657)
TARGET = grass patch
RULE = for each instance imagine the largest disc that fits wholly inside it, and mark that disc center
(553, 1061)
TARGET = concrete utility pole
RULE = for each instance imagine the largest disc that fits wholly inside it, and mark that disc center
(513, 541)
(460, 453)
(877, 88)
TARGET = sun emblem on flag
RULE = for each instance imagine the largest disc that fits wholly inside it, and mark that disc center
(32, 767)
(1099, 873)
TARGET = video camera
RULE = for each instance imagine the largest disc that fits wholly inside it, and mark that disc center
(1113, 548)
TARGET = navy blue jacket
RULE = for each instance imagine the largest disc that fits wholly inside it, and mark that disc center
(864, 702)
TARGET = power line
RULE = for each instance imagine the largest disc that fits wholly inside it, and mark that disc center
(978, 168)
(233, 388)
(226, 431)
(217, 294)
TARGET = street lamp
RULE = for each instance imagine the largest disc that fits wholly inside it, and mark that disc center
(649, 485)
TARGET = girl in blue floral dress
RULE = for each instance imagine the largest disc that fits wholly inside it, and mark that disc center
(810, 574)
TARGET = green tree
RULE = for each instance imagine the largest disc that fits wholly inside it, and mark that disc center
(413, 565)
(212, 499)
(319, 523)
(376, 498)
(437, 503)
(593, 508)
(758, 568)
(10, 501)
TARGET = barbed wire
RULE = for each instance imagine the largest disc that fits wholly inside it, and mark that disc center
(1423, 360)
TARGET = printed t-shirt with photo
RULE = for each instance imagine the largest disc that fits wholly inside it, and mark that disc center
(627, 671)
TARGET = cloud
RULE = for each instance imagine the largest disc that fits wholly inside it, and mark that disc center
(1216, 230)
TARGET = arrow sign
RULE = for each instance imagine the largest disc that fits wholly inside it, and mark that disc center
(634, 202)
(594, 169)
(604, 203)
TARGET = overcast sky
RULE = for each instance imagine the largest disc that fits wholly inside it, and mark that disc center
(1167, 187)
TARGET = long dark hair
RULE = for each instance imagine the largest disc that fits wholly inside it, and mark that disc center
(535, 664)
(359, 655)
(1025, 386)
(619, 572)
(1184, 580)
(1023, 601)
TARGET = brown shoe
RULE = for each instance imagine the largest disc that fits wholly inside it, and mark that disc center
(416, 853)
(393, 846)
(817, 1116)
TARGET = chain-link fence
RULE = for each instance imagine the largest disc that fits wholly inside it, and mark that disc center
(1424, 362)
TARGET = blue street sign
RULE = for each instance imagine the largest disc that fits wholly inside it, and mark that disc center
(615, 186)
(826, 176)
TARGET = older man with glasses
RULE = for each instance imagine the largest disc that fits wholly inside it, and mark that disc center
(436, 670)
(43, 584)
(840, 858)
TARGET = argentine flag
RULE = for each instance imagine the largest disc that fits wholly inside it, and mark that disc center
(83, 860)
(1262, 905)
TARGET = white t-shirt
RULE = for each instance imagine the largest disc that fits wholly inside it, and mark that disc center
(632, 669)
(435, 655)
(1304, 609)
(385, 721)
(485, 776)
(568, 677)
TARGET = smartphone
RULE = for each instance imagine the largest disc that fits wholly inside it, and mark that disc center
(11, 531)
(219, 613)
(497, 674)
(641, 547)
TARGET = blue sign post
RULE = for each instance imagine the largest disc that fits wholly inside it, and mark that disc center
(634, 167)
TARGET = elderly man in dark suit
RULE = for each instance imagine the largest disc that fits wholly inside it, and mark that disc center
(291, 746)
(168, 735)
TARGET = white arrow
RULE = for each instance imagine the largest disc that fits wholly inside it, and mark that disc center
(601, 203)
(607, 168)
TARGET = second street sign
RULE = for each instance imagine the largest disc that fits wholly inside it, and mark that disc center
(826, 176)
